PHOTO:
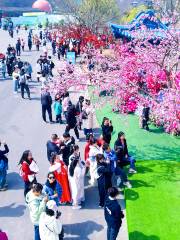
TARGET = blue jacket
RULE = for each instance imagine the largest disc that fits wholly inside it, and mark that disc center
(50, 192)
(52, 148)
(57, 108)
(113, 159)
(3, 158)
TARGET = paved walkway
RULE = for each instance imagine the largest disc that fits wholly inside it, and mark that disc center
(22, 128)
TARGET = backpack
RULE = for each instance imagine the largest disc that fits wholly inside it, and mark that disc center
(23, 79)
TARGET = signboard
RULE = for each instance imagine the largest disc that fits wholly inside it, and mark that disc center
(33, 14)
(71, 57)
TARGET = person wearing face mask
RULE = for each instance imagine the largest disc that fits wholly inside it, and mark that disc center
(28, 170)
(107, 130)
(77, 171)
(104, 176)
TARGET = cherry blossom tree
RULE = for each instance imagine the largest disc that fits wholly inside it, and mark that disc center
(141, 71)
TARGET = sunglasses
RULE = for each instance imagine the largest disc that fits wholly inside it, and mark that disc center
(51, 177)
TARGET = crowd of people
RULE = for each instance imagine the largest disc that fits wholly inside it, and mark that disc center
(68, 166)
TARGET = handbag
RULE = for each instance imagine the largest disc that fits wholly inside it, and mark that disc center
(34, 167)
(31, 178)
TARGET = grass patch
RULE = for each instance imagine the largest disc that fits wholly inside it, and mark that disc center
(144, 145)
(153, 204)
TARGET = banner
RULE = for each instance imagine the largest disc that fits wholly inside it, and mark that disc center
(71, 57)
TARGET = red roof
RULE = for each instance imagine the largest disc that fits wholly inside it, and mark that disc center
(42, 5)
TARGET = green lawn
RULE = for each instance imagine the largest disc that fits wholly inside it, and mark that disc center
(144, 145)
(153, 204)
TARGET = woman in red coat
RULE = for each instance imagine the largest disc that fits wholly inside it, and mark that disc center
(28, 170)
(60, 172)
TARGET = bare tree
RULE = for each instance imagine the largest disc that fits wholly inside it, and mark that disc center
(168, 8)
(93, 13)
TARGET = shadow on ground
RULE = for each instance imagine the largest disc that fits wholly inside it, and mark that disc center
(155, 152)
(14, 181)
(81, 231)
(141, 236)
(12, 210)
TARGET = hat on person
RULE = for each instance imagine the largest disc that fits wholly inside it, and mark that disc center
(52, 205)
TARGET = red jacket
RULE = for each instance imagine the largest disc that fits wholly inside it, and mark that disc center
(26, 171)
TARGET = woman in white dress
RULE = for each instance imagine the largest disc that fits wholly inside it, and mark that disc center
(77, 171)
(94, 150)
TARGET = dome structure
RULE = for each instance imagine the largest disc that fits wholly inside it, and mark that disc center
(42, 5)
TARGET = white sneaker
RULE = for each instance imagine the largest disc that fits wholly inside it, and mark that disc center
(131, 170)
(127, 184)
(76, 207)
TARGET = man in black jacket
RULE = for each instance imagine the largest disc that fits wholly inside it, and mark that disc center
(113, 214)
(20, 63)
(67, 147)
(3, 167)
(71, 120)
(46, 102)
(52, 146)
(18, 47)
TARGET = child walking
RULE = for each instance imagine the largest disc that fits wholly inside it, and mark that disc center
(58, 108)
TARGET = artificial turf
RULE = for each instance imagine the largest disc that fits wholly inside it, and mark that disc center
(153, 204)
